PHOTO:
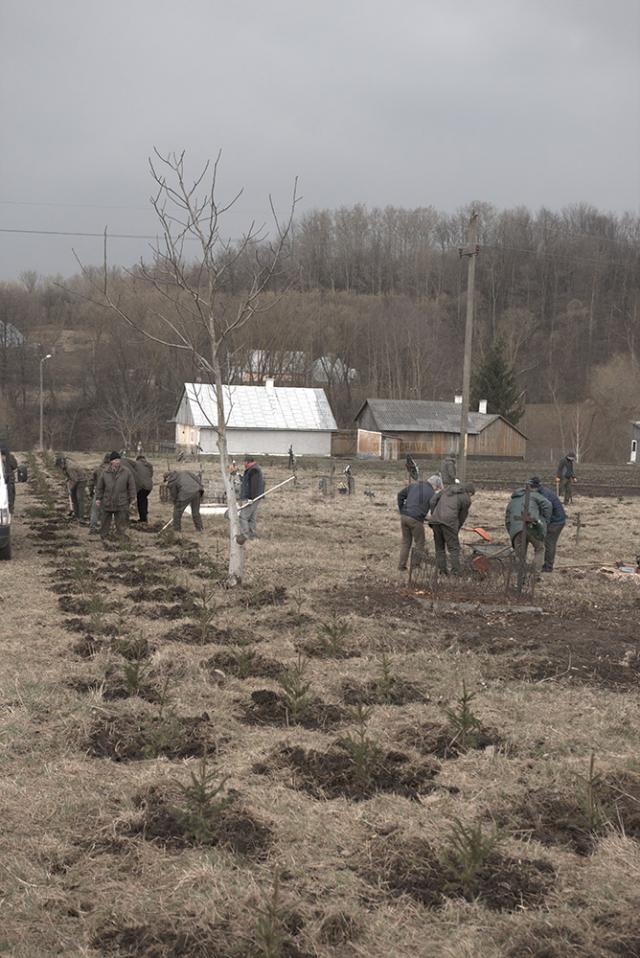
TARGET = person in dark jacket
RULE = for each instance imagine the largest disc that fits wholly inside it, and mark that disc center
(556, 523)
(115, 491)
(95, 513)
(185, 489)
(251, 486)
(76, 478)
(411, 467)
(566, 476)
(143, 476)
(449, 511)
(413, 505)
(448, 469)
(538, 516)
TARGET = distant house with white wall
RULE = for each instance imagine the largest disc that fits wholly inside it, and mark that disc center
(635, 442)
(262, 420)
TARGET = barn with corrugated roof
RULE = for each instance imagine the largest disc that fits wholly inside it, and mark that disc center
(261, 420)
(433, 428)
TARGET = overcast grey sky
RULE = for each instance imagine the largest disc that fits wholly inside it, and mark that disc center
(422, 102)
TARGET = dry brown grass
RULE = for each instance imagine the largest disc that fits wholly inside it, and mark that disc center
(79, 876)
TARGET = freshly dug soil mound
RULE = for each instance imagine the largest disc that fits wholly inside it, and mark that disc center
(270, 708)
(429, 738)
(244, 663)
(412, 867)
(191, 634)
(396, 691)
(164, 819)
(334, 774)
(126, 737)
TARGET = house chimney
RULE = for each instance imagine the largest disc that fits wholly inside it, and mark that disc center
(482, 406)
(458, 399)
(269, 385)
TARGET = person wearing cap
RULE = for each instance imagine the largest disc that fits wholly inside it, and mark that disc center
(565, 477)
(251, 487)
(449, 511)
(537, 520)
(413, 505)
(115, 491)
(556, 523)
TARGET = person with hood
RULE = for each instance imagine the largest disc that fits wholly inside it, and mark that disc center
(413, 505)
(251, 487)
(115, 491)
(185, 489)
(556, 523)
(76, 478)
(565, 477)
(449, 511)
(448, 469)
(538, 517)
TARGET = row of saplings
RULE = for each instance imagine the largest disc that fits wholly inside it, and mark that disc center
(204, 811)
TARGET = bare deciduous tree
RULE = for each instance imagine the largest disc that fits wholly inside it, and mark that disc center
(190, 265)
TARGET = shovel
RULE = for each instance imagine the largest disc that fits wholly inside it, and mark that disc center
(479, 531)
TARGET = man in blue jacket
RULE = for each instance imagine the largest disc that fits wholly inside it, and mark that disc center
(556, 523)
(413, 506)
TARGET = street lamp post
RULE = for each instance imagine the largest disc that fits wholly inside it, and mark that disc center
(42, 362)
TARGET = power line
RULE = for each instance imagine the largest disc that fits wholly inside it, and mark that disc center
(98, 235)
(87, 206)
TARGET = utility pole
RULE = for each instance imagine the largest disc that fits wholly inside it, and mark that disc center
(42, 362)
(471, 251)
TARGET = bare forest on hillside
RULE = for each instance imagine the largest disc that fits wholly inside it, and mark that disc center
(379, 296)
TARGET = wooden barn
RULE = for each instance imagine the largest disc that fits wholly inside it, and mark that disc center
(433, 428)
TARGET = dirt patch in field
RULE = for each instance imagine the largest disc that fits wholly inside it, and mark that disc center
(243, 663)
(335, 773)
(319, 648)
(270, 708)
(192, 634)
(83, 625)
(185, 939)
(163, 818)
(277, 595)
(71, 603)
(610, 934)
(178, 610)
(113, 687)
(371, 598)
(430, 738)
(393, 691)
(125, 737)
(412, 867)
(88, 646)
(575, 820)
(603, 651)
(174, 593)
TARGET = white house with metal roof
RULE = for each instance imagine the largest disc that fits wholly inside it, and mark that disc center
(261, 420)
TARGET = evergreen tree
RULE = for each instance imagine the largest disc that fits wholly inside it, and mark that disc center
(494, 380)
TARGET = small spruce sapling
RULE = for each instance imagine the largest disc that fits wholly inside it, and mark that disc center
(465, 725)
(296, 691)
(271, 937)
(364, 752)
(333, 634)
(467, 850)
(205, 800)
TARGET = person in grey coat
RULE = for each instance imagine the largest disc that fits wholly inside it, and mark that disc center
(115, 491)
(448, 470)
(185, 489)
(449, 511)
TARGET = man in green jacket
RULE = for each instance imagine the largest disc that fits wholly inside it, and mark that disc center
(538, 515)
(115, 491)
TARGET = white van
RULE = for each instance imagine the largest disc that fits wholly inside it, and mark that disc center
(5, 516)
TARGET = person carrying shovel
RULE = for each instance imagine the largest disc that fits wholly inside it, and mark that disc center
(251, 488)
